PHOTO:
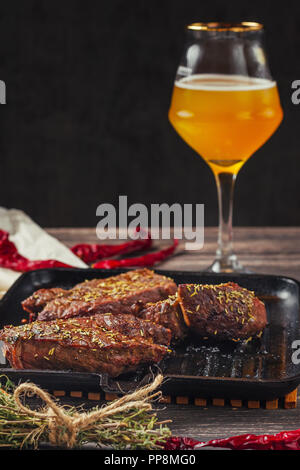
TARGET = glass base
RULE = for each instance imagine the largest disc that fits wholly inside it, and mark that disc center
(228, 264)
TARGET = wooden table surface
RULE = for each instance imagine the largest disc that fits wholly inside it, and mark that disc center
(263, 250)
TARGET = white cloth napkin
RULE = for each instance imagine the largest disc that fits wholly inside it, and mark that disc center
(33, 243)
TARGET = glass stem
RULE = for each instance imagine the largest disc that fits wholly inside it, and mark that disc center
(225, 184)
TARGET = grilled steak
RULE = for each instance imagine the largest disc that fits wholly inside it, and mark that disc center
(40, 298)
(37, 301)
(168, 314)
(78, 344)
(224, 311)
(114, 294)
(132, 327)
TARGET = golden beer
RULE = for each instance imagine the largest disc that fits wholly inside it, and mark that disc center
(225, 118)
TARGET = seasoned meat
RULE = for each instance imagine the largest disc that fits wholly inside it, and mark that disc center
(114, 294)
(37, 301)
(40, 298)
(132, 327)
(167, 313)
(224, 311)
(78, 344)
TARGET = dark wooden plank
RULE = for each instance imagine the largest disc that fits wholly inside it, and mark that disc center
(273, 250)
(216, 422)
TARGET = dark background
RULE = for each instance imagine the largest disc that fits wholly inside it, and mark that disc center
(88, 90)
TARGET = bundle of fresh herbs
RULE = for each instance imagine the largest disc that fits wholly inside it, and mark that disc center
(126, 423)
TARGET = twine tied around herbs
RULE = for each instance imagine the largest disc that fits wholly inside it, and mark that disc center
(64, 428)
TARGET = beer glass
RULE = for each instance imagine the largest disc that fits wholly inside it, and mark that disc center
(225, 105)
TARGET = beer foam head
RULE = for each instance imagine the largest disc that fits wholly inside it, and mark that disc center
(220, 82)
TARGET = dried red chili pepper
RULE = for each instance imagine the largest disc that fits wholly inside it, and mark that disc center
(93, 252)
(180, 443)
(147, 260)
(286, 440)
(11, 258)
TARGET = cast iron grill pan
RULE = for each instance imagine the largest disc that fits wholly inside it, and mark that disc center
(258, 370)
